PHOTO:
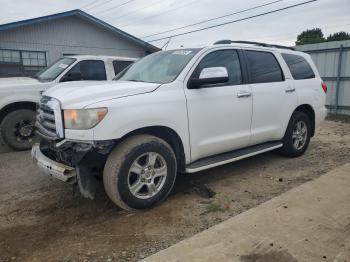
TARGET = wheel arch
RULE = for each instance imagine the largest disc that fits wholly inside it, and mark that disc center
(15, 106)
(308, 109)
(168, 135)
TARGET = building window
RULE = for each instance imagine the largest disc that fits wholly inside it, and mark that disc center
(21, 63)
(9, 56)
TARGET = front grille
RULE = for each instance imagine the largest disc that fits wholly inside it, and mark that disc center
(49, 119)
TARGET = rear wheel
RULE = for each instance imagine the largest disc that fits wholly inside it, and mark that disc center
(17, 129)
(140, 172)
(297, 137)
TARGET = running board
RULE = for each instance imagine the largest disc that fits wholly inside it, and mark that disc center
(232, 156)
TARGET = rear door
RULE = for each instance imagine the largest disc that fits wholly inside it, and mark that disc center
(274, 96)
(219, 115)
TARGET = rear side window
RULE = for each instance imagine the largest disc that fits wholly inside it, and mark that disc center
(120, 66)
(298, 66)
(264, 67)
(89, 70)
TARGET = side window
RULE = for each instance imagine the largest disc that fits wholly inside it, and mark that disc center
(86, 70)
(120, 66)
(222, 58)
(264, 67)
(298, 66)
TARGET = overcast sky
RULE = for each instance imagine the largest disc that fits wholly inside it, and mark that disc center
(145, 17)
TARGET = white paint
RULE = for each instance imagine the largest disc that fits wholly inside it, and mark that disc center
(25, 89)
(209, 121)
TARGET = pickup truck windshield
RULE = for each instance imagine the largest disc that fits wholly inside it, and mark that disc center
(161, 67)
(55, 69)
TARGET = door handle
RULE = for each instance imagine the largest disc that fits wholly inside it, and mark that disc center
(243, 94)
(290, 89)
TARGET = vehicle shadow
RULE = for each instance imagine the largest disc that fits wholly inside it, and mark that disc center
(197, 183)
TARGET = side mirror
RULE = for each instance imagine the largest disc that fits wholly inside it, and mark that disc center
(73, 76)
(209, 76)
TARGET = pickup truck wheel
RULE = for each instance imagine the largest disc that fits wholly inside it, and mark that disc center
(297, 137)
(140, 172)
(17, 129)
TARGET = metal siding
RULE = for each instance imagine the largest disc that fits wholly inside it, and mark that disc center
(327, 63)
(70, 35)
(346, 63)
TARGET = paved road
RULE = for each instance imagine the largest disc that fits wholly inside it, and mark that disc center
(308, 223)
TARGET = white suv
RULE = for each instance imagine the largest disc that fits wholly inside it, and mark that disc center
(174, 111)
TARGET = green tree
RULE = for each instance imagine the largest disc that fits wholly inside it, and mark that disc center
(339, 36)
(310, 36)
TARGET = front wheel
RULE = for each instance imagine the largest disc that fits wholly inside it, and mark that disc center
(140, 172)
(17, 129)
(297, 137)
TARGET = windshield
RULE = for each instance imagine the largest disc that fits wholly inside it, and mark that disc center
(161, 67)
(55, 69)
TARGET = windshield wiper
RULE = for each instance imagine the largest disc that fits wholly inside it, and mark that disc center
(134, 80)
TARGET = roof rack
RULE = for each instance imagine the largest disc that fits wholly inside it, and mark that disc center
(227, 42)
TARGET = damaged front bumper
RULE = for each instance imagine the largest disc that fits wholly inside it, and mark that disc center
(50, 167)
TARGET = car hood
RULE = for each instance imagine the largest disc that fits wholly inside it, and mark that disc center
(83, 93)
(18, 81)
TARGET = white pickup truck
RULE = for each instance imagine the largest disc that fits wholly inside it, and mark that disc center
(174, 111)
(19, 95)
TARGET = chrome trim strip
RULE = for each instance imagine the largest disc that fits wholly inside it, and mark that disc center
(42, 130)
(56, 107)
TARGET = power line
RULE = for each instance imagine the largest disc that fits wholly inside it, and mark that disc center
(106, 2)
(190, 3)
(215, 18)
(97, 6)
(88, 6)
(92, 3)
(136, 10)
(234, 21)
(113, 7)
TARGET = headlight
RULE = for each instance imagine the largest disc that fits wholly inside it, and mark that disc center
(83, 118)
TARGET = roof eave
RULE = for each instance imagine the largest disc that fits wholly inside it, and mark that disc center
(77, 12)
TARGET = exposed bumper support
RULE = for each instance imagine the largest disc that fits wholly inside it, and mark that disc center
(57, 170)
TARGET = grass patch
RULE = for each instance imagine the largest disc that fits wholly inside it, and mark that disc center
(214, 207)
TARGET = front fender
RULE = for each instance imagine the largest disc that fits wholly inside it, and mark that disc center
(164, 107)
(18, 99)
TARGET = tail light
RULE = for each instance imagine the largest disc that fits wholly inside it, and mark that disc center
(324, 87)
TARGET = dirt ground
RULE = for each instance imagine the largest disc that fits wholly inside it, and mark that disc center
(41, 219)
(4, 148)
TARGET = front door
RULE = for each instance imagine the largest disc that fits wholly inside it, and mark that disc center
(220, 114)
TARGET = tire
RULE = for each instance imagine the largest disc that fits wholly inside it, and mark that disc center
(134, 154)
(292, 148)
(16, 129)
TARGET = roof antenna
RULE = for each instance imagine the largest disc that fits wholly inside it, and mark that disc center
(166, 44)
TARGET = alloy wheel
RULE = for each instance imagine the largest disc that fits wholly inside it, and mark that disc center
(299, 135)
(147, 175)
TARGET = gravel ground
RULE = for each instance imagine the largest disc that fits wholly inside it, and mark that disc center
(4, 148)
(41, 219)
